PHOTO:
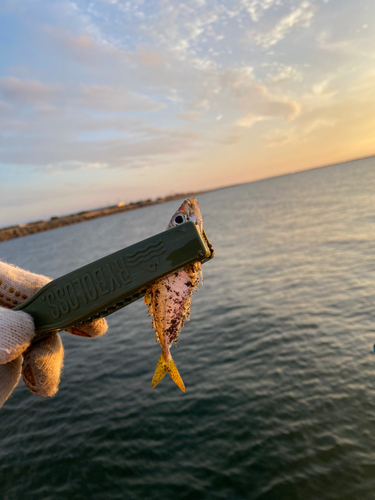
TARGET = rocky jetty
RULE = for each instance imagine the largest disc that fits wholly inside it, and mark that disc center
(11, 232)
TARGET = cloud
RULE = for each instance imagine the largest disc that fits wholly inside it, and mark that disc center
(307, 128)
(88, 49)
(148, 57)
(74, 165)
(231, 138)
(193, 84)
(321, 87)
(280, 73)
(300, 17)
(325, 122)
(190, 116)
(60, 153)
(25, 91)
(346, 47)
(256, 8)
(278, 137)
(106, 98)
(255, 98)
(249, 120)
(324, 92)
(99, 97)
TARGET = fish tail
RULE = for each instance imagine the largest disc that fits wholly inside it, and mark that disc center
(164, 367)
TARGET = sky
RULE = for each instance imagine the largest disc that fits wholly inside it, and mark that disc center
(113, 101)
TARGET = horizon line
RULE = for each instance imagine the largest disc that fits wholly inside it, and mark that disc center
(219, 188)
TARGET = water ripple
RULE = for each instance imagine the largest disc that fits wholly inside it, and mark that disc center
(277, 359)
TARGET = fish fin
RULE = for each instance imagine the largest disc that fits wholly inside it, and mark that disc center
(160, 371)
(199, 268)
(147, 298)
(164, 367)
(175, 376)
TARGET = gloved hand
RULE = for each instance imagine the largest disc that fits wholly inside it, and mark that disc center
(39, 364)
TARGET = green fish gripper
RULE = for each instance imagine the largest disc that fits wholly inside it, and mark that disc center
(115, 281)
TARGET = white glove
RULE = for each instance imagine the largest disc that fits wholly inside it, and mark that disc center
(39, 364)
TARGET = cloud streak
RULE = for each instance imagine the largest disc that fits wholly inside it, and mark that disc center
(99, 97)
(300, 17)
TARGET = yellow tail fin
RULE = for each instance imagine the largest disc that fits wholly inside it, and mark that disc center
(164, 367)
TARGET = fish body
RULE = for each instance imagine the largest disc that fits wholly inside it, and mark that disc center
(169, 299)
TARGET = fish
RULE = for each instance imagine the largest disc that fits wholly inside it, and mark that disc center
(169, 298)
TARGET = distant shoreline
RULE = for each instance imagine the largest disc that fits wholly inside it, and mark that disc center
(17, 231)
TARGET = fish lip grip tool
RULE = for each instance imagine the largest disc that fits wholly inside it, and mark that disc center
(115, 281)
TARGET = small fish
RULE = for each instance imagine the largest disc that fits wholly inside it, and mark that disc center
(169, 299)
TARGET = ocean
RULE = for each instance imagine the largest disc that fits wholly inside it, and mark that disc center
(277, 359)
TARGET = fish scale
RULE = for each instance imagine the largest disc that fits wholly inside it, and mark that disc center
(169, 298)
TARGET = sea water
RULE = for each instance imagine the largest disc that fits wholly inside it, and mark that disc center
(277, 359)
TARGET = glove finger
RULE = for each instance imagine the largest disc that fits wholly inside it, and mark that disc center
(42, 366)
(16, 332)
(94, 329)
(10, 375)
(18, 285)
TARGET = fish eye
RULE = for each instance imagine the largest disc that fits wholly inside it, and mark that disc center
(179, 219)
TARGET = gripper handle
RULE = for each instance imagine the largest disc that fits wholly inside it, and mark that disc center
(108, 284)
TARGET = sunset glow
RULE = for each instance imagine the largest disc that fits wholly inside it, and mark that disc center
(110, 100)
